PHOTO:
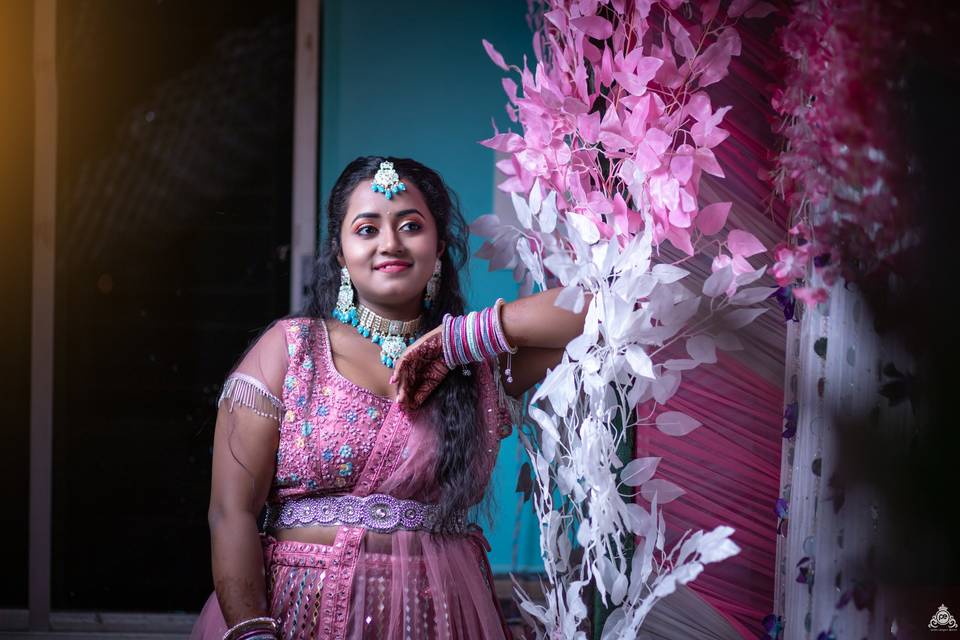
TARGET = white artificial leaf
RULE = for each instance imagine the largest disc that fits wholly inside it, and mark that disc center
(634, 287)
(681, 312)
(566, 479)
(740, 318)
(716, 545)
(579, 346)
(638, 518)
(680, 364)
(676, 423)
(619, 588)
(668, 273)
(640, 362)
(638, 471)
(552, 381)
(750, 276)
(523, 210)
(542, 467)
(536, 197)
(571, 299)
(718, 282)
(751, 295)
(545, 420)
(702, 348)
(611, 628)
(531, 261)
(665, 386)
(728, 341)
(584, 227)
(584, 533)
(664, 490)
(548, 213)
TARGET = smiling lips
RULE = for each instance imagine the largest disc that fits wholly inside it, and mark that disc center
(393, 267)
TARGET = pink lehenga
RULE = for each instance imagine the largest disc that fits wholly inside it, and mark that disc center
(338, 438)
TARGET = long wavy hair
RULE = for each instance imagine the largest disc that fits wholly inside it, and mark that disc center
(453, 404)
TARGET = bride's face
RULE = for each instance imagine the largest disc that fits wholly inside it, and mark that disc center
(375, 231)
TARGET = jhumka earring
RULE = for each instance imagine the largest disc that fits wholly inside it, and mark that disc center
(432, 284)
(386, 181)
(346, 310)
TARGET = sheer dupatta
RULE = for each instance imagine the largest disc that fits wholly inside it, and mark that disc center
(412, 583)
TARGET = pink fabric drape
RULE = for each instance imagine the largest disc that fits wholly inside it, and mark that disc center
(730, 470)
(730, 467)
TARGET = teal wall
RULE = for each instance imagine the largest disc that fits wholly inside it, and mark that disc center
(413, 80)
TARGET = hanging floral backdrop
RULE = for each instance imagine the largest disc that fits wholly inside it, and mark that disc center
(617, 131)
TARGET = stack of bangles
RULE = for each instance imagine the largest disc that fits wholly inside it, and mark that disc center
(263, 628)
(475, 337)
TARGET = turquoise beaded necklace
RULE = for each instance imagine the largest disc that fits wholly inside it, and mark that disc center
(393, 336)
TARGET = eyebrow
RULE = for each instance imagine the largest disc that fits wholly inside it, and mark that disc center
(398, 214)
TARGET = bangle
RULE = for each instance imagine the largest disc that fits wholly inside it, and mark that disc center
(498, 328)
(474, 337)
(252, 628)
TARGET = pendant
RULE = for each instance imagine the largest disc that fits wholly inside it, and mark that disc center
(391, 348)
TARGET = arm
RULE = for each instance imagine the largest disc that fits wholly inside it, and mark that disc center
(244, 453)
(540, 331)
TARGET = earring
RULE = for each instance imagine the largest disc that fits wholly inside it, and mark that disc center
(432, 286)
(346, 310)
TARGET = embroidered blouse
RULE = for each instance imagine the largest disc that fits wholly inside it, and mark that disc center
(328, 424)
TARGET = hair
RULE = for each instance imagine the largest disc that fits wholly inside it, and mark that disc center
(453, 404)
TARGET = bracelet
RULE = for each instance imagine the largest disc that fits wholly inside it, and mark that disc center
(252, 628)
(474, 337)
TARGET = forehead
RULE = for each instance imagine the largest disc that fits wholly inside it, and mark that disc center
(364, 199)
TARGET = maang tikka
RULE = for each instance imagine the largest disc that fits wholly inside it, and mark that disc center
(386, 181)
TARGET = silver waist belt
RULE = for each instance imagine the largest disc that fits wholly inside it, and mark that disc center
(377, 512)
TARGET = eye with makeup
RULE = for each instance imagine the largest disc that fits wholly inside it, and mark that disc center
(359, 230)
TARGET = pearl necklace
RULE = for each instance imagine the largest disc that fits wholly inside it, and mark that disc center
(393, 336)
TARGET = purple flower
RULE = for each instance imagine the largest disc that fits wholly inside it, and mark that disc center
(787, 302)
(773, 625)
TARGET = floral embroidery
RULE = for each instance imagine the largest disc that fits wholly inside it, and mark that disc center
(330, 427)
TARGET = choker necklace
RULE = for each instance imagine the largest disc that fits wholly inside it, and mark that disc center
(393, 336)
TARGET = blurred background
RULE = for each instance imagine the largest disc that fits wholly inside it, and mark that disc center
(163, 169)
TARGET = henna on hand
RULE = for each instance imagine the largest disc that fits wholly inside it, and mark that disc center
(421, 369)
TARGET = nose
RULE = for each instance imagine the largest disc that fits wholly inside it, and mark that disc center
(390, 241)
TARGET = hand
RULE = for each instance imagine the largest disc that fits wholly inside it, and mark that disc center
(420, 369)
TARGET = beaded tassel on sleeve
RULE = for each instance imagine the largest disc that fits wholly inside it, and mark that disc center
(249, 392)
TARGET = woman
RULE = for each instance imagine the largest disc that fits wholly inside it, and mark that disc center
(369, 439)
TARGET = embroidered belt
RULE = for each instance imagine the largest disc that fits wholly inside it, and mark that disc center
(377, 512)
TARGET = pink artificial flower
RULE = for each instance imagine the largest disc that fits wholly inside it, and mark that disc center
(791, 263)
(810, 295)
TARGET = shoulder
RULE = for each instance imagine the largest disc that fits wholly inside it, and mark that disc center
(267, 358)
